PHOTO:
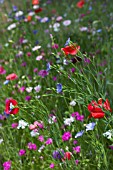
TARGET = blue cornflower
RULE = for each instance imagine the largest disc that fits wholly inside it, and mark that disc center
(79, 134)
(6, 82)
(48, 66)
(67, 42)
(59, 88)
(90, 126)
(35, 32)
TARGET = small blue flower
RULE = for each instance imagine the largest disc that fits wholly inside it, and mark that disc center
(6, 115)
(15, 8)
(35, 32)
(48, 67)
(6, 82)
(1, 1)
(67, 42)
(59, 88)
(79, 134)
(99, 30)
(90, 126)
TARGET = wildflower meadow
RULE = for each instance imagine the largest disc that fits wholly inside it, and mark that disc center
(56, 81)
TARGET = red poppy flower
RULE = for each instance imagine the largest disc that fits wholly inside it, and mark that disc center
(10, 107)
(80, 3)
(38, 10)
(12, 76)
(67, 155)
(35, 2)
(96, 108)
(72, 50)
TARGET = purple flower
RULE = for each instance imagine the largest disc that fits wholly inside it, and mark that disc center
(90, 126)
(75, 142)
(59, 88)
(58, 154)
(22, 152)
(28, 98)
(111, 147)
(42, 73)
(79, 134)
(66, 136)
(76, 162)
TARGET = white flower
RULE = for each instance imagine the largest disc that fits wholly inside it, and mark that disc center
(41, 148)
(10, 27)
(56, 25)
(36, 48)
(31, 13)
(24, 41)
(108, 134)
(22, 124)
(37, 88)
(83, 29)
(34, 133)
(68, 121)
(19, 13)
(52, 120)
(29, 89)
(72, 103)
(1, 140)
(38, 58)
(35, 6)
(45, 19)
(66, 22)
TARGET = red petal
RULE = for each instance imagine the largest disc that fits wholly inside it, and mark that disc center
(12, 76)
(107, 105)
(98, 115)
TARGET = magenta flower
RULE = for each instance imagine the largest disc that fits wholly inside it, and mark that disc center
(49, 141)
(41, 138)
(66, 136)
(32, 146)
(77, 149)
(76, 162)
(22, 152)
(7, 165)
(14, 125)
(52, 165)
(42, 73)
(28, 98)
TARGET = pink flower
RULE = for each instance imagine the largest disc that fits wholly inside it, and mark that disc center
(12, 76)
(49, 141)
(32, 146)
(77, 149)
(14, 125)
(7, 165)
(66, 136)
(2, 71)
(41, 138)
(32, 127)
(76, 162)
(22, 152)
(55, 46)
(52, 165)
